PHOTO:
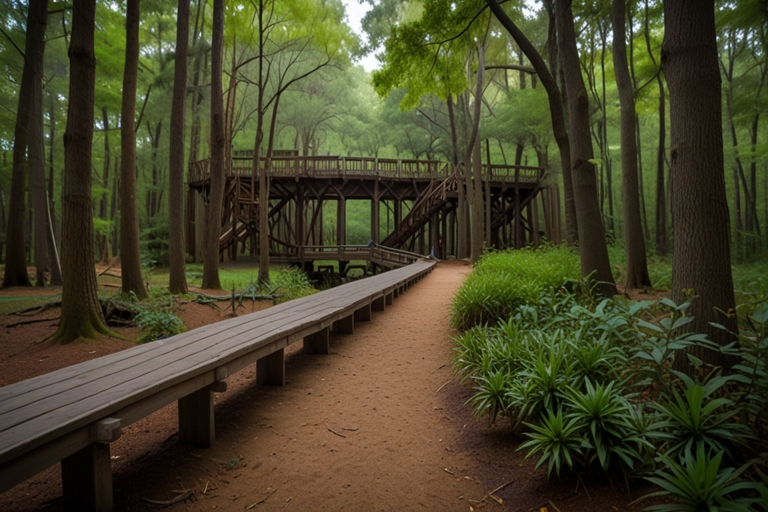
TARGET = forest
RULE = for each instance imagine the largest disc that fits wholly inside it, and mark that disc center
(128, 127)
(468, 83)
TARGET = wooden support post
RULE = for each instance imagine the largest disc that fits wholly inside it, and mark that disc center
(378, 304)
(341, 221)
(318, 343)
(375, 213)
(196, 423)
(345, 326)
(363, 314)
(396, 293)
(388, 298)
(86, 477)
(270, 370)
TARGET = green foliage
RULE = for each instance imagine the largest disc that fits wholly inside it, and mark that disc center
(154, 242)
(157, 320)
(290, 283)
(698, 483)
(590, 382)
(502, 281)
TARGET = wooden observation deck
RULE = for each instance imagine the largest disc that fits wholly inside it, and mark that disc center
(415, 205)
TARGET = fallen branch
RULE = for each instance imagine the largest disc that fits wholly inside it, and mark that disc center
(181, 497)
(41, 307)
(441, 387)
(553, 506)
(26, 322)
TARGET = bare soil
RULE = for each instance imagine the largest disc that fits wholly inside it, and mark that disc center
(379, 424)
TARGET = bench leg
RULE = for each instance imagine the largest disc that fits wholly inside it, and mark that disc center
(270, 370)
(345, 326)
(318, 343)
(378, 304)
(86, 477)
(396, 292)
(196, 424)
(389, 298)
(363, 314)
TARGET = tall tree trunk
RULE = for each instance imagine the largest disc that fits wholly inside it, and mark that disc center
(555, 111)
(81, 314)
(130, 260)
(15, 255)
(634, 241)
(476, 214)
(702, 258)
(592, 245)
(36, 163)
(105, 257)
(258, 172)
(216, 198)
(178, 272)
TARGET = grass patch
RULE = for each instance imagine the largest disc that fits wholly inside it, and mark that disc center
(502, 281)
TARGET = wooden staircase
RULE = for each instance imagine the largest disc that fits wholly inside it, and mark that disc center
(431, 200)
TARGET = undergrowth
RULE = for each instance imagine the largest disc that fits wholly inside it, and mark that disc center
(589, 383)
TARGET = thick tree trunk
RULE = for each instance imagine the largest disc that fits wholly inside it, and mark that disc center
(592, 245)
(216, 198)
(36, 164)
(634, 241)
(556, 115)
(130, 260)
(258, 172)
(81, 314)
(178, 273)
(15, 255)
(702, 258)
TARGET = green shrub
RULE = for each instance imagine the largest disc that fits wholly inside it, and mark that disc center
(502, 281)
(157, 320)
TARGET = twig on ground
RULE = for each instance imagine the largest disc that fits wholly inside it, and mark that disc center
(497, 499)
(439, 368)
(181, 497)
(585, 488)
(206, 486)
(286, 503)
(448, 471)
(261, 500)
(441, 387)
(38, 308)
(334, 432)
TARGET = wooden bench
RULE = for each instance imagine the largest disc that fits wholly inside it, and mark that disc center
(71, 415)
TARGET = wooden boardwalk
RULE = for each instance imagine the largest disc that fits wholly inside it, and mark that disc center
(415, 205)
(71, 415)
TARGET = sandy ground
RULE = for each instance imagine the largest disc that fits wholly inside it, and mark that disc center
(379, 424)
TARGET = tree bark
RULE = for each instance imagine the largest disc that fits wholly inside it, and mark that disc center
(15, 249)
(178, 273)
(213, 217)
(36, 163)
(81, 314)
(634, 241)
(130, 259)
(556, 115)
(701, 256)
(592, 244)
(105, 257)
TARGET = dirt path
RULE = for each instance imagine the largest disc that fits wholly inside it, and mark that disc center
(361, 429)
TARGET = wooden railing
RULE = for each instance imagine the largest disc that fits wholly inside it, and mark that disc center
(341, 167)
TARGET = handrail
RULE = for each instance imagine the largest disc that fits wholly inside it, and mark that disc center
(326, 166)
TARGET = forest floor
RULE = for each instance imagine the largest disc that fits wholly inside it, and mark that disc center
(380, 424)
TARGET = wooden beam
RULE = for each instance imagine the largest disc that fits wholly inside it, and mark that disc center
(318, 343)
(270, 370)
(86, 477)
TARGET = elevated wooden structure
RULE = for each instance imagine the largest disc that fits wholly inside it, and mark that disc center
(415, 205)
(73, 414)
